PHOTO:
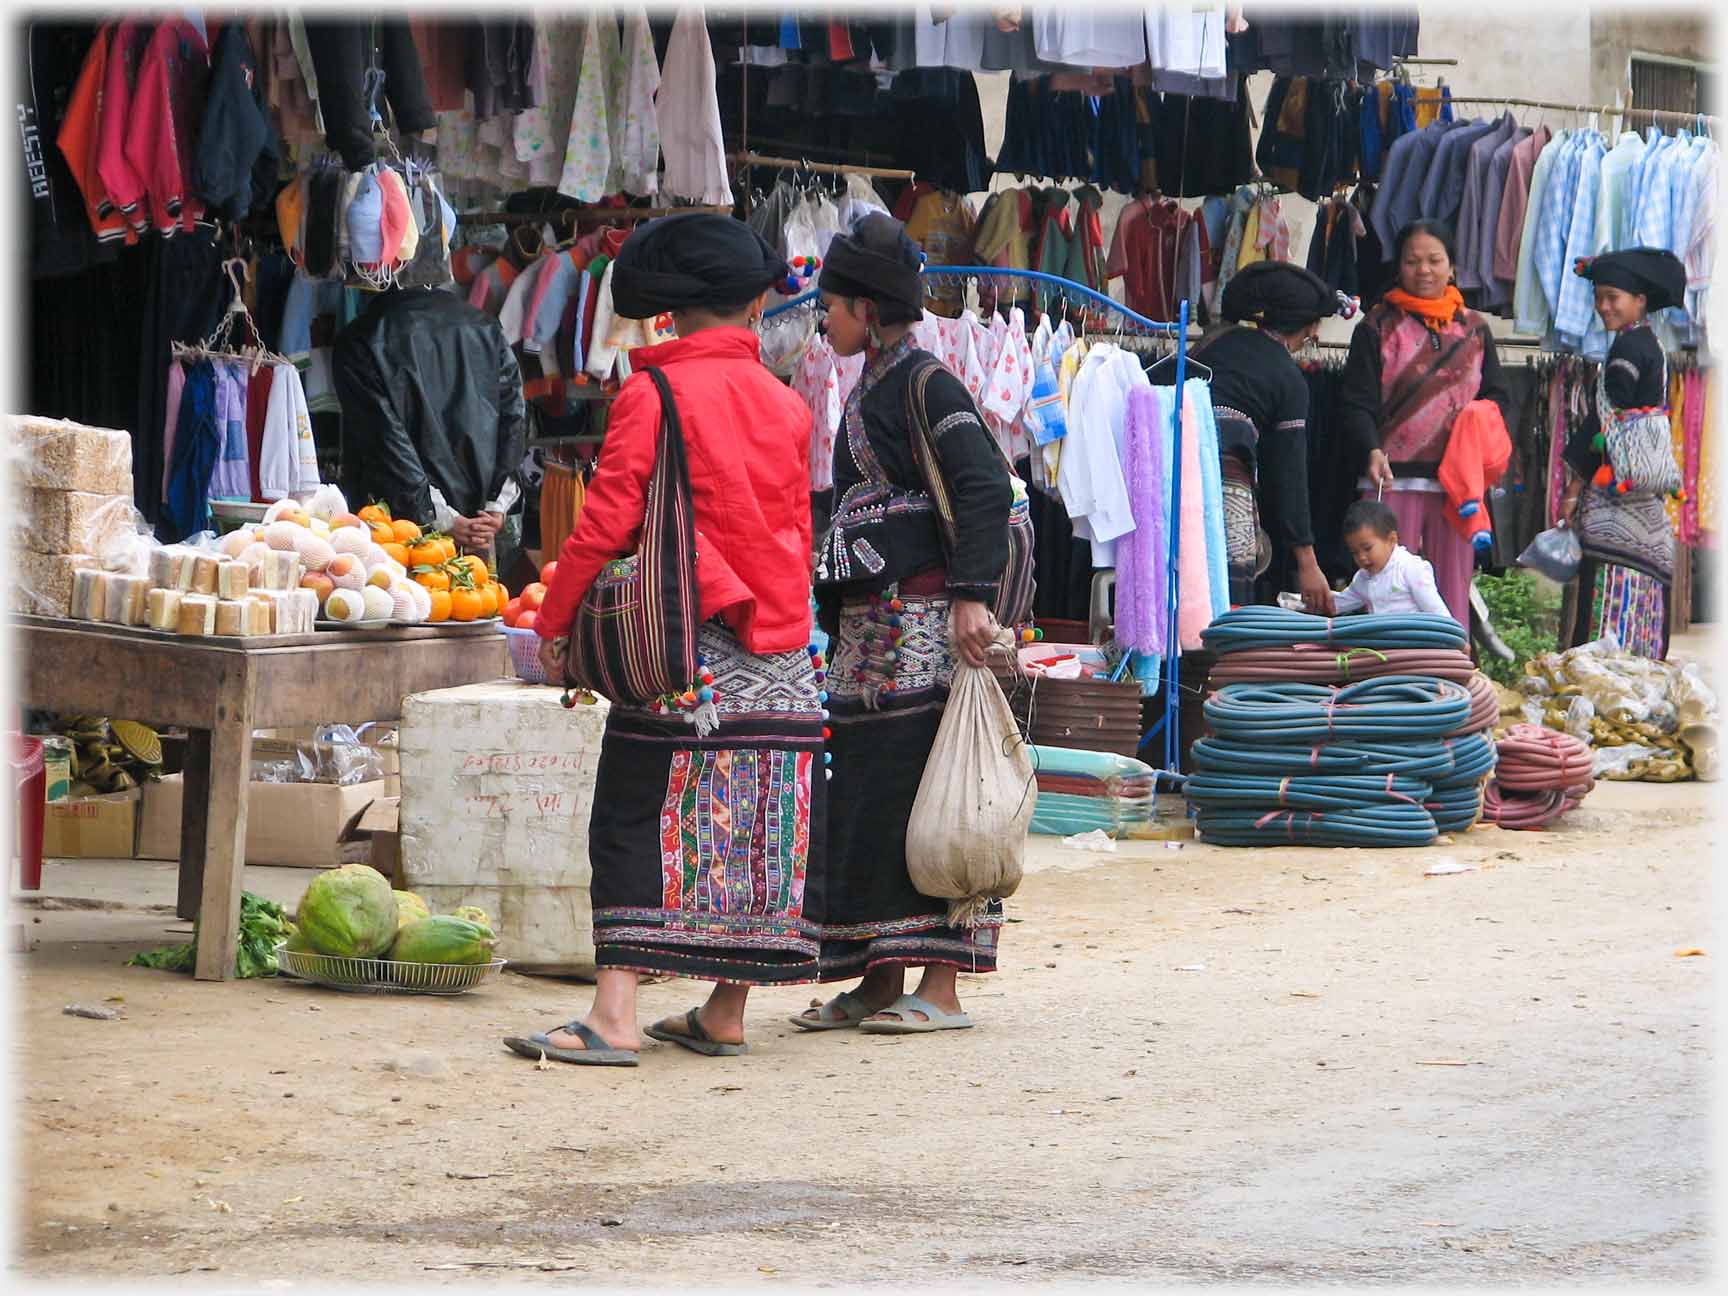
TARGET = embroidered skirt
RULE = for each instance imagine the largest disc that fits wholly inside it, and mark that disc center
(707, 852)
(880, 741)
(1247, 547)
(1621, 601)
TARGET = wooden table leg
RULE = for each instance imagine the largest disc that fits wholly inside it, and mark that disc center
(194, 805)
(230, 771)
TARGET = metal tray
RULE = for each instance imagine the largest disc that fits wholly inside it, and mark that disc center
(381, 976)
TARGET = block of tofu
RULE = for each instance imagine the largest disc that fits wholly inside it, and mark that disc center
(59, 455)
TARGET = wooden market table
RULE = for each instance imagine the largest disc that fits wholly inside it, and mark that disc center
(220, 690)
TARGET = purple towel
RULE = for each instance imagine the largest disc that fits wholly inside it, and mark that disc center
(232, 478)
(1142, 608)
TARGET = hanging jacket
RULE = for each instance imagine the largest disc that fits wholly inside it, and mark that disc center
(120, 81)
(80, 136)
(431, 397)
(237, 155)
(162, 124)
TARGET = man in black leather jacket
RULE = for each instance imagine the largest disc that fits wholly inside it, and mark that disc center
(434, 423)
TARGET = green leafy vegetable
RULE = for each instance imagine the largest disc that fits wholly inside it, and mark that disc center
(263, 926)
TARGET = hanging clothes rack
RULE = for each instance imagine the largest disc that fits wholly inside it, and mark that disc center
(820, 168)
(1604, 110)
(601, 215)
(1169, 725)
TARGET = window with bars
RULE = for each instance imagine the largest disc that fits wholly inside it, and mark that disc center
(1669, 87)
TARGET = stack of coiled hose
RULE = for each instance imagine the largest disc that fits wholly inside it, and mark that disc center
(1358, 731)
(1541, 775)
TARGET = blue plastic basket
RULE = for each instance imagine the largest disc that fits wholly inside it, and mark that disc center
(525, 655)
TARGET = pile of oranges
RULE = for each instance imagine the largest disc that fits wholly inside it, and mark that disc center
(524, 610)
(462, 588)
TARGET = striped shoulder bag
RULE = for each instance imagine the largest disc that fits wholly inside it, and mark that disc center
(633, 639)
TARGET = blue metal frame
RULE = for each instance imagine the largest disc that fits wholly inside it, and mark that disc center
(1170, 724)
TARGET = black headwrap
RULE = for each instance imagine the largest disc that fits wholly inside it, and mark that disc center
(1278, 295)
(701, 260)
(876, 261)
(1658, 274)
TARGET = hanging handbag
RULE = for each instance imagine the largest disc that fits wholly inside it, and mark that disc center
(633, 639)
(1639, 442)
(1013, 604)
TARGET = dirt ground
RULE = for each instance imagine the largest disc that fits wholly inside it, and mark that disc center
(1197, 1063)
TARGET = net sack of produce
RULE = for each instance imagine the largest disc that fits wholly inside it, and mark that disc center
(966, 839)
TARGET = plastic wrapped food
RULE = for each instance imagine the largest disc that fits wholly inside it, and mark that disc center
(59, 455)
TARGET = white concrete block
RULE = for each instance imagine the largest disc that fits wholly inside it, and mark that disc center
(497, 788)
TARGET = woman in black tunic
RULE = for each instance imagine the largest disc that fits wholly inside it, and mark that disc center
(1627, 539)
(1260, 399)
(900, 607)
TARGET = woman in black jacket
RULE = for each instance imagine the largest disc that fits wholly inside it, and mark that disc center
(900, 607)
(1260, 399)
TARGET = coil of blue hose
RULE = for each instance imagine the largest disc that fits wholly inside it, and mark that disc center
(1307, 792)
(1455, 809)
(1389, 707)
(1276, 627)
(1473, 759)
(1378, 826)
(1431, 760)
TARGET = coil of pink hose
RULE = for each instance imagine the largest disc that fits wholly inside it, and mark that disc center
(1484, 704)
(1540, 776)
(1334, 664)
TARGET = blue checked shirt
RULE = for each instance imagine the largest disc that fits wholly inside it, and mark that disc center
(1530, 307)
(1653, 214)
(1624, 233)
(1576, 304)
(1554, 221)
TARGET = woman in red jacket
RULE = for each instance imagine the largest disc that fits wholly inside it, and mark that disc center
(706, 848)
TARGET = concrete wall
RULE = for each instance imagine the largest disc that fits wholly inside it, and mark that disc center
(1615, 35)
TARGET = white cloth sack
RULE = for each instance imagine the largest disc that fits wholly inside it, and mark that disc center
(966, 839)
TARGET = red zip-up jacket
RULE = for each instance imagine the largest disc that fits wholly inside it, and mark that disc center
(162, 125)
(747, 437)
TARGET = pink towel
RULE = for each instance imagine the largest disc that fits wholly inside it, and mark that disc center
(1195, 613)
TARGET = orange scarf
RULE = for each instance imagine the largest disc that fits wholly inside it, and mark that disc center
(1435, 312)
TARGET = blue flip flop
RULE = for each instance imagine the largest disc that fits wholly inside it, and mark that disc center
(597, 1053)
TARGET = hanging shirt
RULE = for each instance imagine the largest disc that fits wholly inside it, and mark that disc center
(1530, 298)
(1613, 183)
(1554, 220)
(941, 223)
(1009, 387)
(1576, 305)
(1094, 488)
(231, 479)
(1186, 39)
(289, 461)
(637, 119)
(1143, 256)
(1514, 201)
(690, 134)
(1079, 37)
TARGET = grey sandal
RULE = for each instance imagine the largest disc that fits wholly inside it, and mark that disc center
(698, 1040)
(597, 1053)
(852, 1009)
(905, 1006)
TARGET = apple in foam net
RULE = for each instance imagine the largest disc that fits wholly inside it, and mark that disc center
(346, 571)
(320, 584)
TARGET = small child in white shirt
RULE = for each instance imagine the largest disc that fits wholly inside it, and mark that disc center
(1389, 578)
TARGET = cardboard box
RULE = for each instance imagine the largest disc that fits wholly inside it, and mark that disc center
(292, 825)
(281, 744)
(98, 827)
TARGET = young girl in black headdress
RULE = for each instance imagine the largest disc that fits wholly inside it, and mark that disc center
(1622, 522)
